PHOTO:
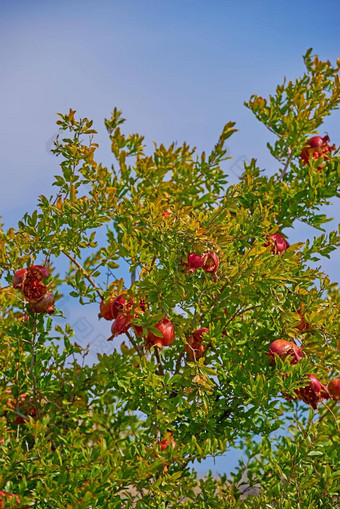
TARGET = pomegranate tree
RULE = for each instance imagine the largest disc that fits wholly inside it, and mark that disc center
(86, 419)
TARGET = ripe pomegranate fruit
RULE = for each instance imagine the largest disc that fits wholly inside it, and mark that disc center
(313, 392)
(5, 498)
(18, 278)
(211, 262)
(120, 304)
(282, 349)
(334, 388)
(32, 287)
(166, 328)
(163, 444)
(121, 324)
(43, 305)
(166, 214)
(40, 271)
(117, 304)
(194, 262)
(33, 290)
(193, 346)
(277, 243)
(317, 147)
(106, 308)
(198, 334)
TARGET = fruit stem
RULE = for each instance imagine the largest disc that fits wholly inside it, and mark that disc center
(331, 411)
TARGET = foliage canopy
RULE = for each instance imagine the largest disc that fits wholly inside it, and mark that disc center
(95, 439)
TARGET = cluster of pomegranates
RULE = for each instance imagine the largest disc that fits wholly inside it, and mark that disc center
(209, 262)
(314, 391)
(30, 282)
(317, 147)
(122, 310)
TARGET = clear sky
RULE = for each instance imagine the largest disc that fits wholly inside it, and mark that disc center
(179, 70)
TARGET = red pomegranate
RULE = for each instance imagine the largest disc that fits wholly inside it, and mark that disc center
(18, 278)
(43, 305)
(122, 303)
(194, 262)
(105, 308)
(166, 328)
(32, 287)
(277, 243)
(40, 271)
(211, 262)
(317, 147)
(313, 392)
(163, 444)
(334, 388)
(193, 346)
(121, 324)
(198, 334)
(116, 305)
(283, 349)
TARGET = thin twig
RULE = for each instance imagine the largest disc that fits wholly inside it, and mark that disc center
(23, 416)
(178, 362)
(331, 411)
(134, 344)
(237, 313)
(284, 171)
(86, 275)
(32, 369)
(216, 298)
(240, 312)
(159, 362)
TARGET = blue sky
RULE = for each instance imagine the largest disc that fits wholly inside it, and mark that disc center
(179, 70)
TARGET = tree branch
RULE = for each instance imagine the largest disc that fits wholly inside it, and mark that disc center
(134, 344)
(285, 169)
(159, 362)
(85, 273)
